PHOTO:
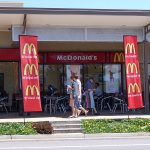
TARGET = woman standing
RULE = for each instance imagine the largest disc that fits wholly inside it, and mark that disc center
(89, 88)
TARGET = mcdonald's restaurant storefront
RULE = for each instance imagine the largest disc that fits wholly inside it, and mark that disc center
(55, 69)
(91, 45)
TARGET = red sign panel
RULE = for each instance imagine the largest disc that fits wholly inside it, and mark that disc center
(30, 73)
(9, 54)
(74, 58)
(133, 72)
(40, 58)
(116, 57)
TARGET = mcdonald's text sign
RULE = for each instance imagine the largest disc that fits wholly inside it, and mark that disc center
(30, 73)
(133, 79)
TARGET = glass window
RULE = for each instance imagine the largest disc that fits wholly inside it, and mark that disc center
(70, 70)
(41, 78)
(53, 75)
(9, 77)
(112, 78)
(94, 71)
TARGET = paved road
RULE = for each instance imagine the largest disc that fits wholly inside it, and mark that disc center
(131, 143)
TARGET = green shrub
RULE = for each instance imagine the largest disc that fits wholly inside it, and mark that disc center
(26, 129)
(116, 126)
(16, 128)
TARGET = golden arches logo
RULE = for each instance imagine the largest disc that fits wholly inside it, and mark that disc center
(29, 68)
(130, 47)
(131, 67)
(32, 89)
(133, 87)
(118, 57)
(30, 48)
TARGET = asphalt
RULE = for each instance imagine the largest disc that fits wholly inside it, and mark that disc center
(72, 135)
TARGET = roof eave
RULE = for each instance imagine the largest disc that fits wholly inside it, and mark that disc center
(67, 11)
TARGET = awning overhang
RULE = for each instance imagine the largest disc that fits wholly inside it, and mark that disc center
(74, 17)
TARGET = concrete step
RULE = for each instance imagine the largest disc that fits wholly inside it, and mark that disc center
(68, 126)
(68, 130)
(66, 122)
(57, 126)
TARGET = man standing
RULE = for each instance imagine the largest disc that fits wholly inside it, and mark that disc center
(77, 96)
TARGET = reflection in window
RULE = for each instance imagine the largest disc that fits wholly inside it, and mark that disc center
(112, 78)
(94, 71)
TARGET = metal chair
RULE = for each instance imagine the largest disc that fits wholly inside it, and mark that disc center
(98, 100)
(3, 101)
(105, 102)
(119, 102)
(59, 105)
(54, 104)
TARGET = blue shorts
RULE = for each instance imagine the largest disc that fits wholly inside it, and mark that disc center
(77, 103)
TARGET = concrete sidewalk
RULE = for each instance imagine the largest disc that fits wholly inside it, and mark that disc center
(51, 119)
(77, 136)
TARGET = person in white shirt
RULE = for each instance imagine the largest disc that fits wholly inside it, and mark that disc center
(71, 101)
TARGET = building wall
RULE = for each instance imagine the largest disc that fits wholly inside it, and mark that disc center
(5, 39)
(6, 42)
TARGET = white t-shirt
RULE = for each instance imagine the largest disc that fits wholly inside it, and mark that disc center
(80, 87)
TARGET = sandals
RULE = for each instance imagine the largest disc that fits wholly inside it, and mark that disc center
(86, 112)
(73, 116)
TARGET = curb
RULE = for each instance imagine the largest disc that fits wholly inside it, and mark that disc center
(48, 137)
(5, 138)
(73, 136)
(117, 135)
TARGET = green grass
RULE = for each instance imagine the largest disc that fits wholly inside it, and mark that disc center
(17, 129)
(116, 126)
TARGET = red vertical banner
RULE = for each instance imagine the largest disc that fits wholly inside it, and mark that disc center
(134, 88)
(30, 73)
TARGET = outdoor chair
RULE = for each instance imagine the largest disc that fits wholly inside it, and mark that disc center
(105, 101)
(3, 101)
(53, 104)
(59, 104)
(98, 100)
(119, 102)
